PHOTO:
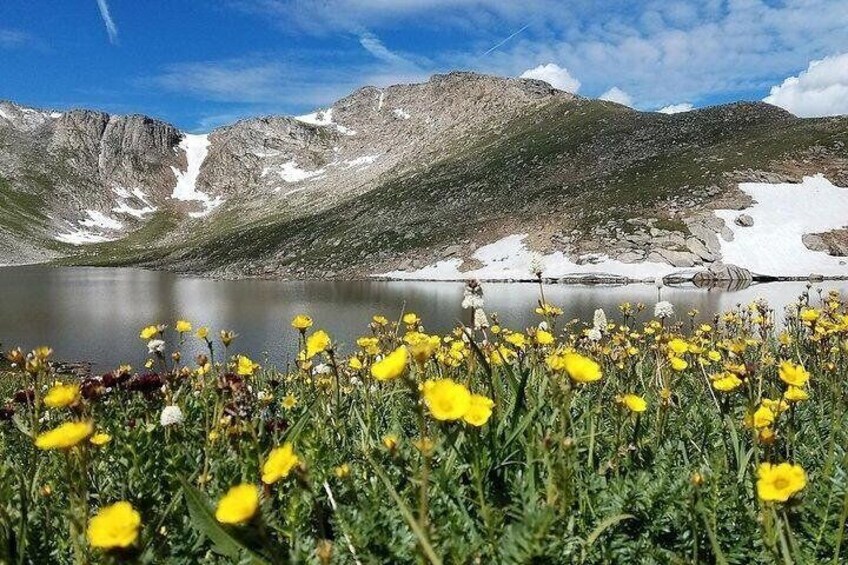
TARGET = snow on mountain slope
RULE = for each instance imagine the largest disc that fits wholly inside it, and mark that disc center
(782, 214)
(196, 148)
(509, 259)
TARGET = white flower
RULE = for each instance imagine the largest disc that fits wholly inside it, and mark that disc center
(472, 301)
(537, 264)
(480, 319)
(594, 334)
(171, 415)
(155, 346)
(355, 381)
(600, 320)
(659, 282)
(322, 369)
(543, 325)
(663, 309)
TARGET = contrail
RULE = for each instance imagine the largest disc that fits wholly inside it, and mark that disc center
(111, 28)
(505, 40)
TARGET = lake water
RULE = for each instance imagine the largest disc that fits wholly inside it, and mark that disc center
(91, 314)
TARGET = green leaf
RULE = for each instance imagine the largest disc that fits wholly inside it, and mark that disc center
(203, 520)
(406, 513)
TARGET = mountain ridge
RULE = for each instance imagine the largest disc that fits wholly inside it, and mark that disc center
(447, 166)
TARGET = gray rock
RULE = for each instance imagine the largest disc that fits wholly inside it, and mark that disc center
(697, 247)
(676, 258)
(744, 220)
(723, 272)
(452, 250)
(727, 233)
(814, 242)
(631, 256)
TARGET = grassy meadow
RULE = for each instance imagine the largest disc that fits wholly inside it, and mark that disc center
(642, 436)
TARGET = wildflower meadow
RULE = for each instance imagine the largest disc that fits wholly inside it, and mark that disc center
(643, 435)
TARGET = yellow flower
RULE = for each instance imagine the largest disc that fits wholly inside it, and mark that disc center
(342, 471)
(65, 436)
(411, 319)
(792, 374)
(380, 320)
(370, 345)
(391, 366)
(202, 332)
(579, 368)
(301, 322)
(678, 346)
(317, 343)
(354, 363)
(810, 314)
(726, 382)
(279, 464)
(114, 526)
(763, 417)
(634, 403)
(714, 355)
(390, 441)
(479, 411)
(149, 333)
(100, 439)
(795, 394)
(183, 326)
(446, 399)
(245, 367)
(289, 402)
(767, 436)
(421, 346)
(776, 483)
(677, 363)
(516, 339)
(544, 338)
(61, 395)
(239, 504)
(546, 309)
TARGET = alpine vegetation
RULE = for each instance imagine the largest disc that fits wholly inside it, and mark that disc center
(625, 438)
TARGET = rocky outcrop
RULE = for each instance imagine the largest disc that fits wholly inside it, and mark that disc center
(834, 242)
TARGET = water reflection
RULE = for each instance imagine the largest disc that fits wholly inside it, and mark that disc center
(95, 314)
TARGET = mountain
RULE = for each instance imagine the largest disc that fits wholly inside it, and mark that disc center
(462, 173)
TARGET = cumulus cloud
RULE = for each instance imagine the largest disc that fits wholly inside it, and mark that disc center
(556, 76)
(111, 28)
(820, 90)
(676, 108)
(617, 95)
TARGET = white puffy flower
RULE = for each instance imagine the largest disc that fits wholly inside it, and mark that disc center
(594, 334)
(322, 369)
(663, 309)
(543, 325)
(155, 346)
(472, 301)
(659, 282)
(480, 319)
(355, 381)
(599, 322)
(171, 415)
(537, 264)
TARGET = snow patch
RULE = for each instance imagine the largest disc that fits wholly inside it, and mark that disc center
(363, 161)
(123, 203)
(4, 115)
(401, 114)
(324, 118)
(290, 172)
(100, 220)
(509, 258)
(196, 149)
(55, 115)
(782, 214)
(92, 229)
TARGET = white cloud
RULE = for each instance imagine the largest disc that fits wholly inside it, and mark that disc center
(820, 90)
(617, 95)
(556, 76)
(373, 45)
(10, 38)
(111, 28)
(676, 108)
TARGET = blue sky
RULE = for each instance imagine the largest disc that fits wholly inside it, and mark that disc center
(203, 63)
